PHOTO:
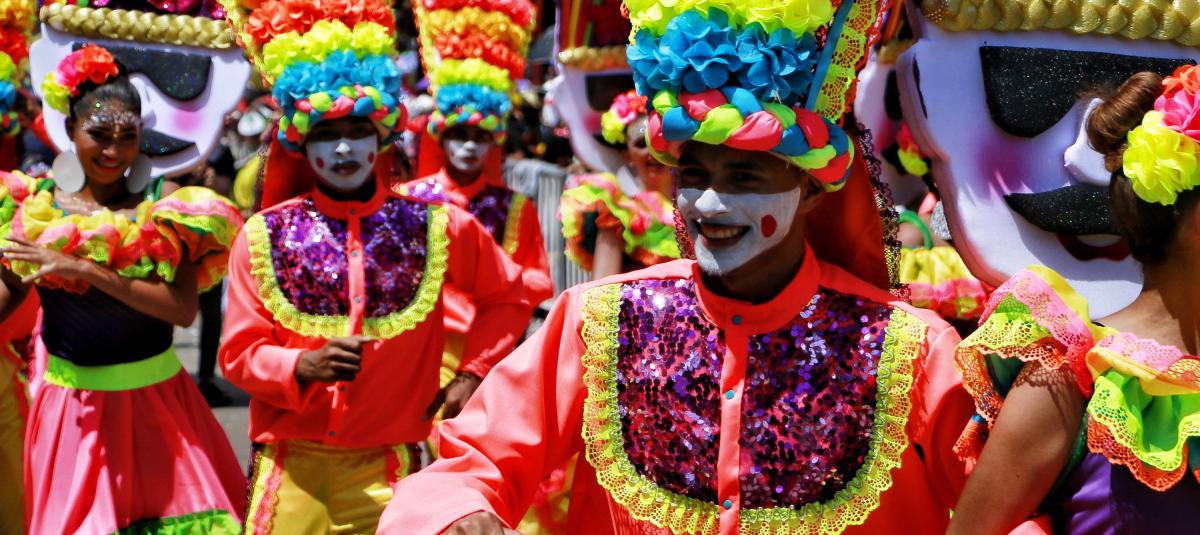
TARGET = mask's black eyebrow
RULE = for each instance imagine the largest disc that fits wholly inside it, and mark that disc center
(1030, 89)
(603, 88)
(180, 75)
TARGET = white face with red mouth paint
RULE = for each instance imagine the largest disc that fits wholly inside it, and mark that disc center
(730, 229)
(983, 170)
(344, 163)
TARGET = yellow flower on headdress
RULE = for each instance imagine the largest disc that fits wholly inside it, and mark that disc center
(1159, 162)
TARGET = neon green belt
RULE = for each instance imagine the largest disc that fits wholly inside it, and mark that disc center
(113, 377)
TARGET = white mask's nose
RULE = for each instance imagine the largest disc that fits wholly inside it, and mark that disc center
(1081, 160)
(342, 148)
(148, 102)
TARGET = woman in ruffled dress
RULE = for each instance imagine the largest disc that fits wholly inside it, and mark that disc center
(613, 224)
(119, 437)
(1093, 426)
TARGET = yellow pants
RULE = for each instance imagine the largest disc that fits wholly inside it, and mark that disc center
(13, 410)
(310, 488)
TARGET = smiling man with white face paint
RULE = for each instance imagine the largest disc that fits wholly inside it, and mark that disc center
(808, 398)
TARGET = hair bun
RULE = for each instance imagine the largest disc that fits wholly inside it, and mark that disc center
(1121, 111)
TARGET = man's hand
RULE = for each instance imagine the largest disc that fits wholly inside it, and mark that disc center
(480, 523)
(454, 397)
(339, 360)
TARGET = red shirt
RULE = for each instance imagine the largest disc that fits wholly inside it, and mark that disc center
(312, 268)
(558, 396)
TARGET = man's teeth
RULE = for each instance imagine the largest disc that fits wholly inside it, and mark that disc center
(721, 232)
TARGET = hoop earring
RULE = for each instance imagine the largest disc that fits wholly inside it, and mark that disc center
(67, 171)
(138, 175)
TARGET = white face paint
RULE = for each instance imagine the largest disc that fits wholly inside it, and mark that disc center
(343, 164)
(729, 229)
(466, 156)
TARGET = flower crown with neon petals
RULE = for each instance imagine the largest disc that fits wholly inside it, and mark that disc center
(91, 63)
(625, 109)
(1162, 158)
(16, 20)
(757, 75)
(473, 51)
(323, 59)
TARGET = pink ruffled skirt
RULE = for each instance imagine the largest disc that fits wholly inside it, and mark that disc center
(148, 460)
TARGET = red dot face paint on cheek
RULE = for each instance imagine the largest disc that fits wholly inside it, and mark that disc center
(371, 157)
(320, 163)
(769, 226)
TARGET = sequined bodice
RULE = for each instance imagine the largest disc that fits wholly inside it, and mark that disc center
(807, 409)
(490, 206)
(311, 267)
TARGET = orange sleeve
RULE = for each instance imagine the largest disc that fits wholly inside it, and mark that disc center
(482, 270)
(251, 357)
(531, 255)
(941, 408)
(524, 421)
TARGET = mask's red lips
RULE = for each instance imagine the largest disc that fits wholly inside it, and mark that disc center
(1081, 251)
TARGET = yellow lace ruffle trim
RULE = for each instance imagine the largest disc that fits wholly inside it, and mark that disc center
(647, 502)
(512, 226)
(258, 240)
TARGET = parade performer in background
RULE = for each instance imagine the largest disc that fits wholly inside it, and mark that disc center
(119, 437)
(999, 107)
(607, 230)
(334, 320)
(1093, 424)
(684, 385)
(16, 21)
(474, 53)
(930, 268)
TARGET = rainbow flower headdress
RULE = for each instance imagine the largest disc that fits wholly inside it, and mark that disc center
(16, 20)
(473, 51)
(1162, 159)
(625, 109)
(324, 59)
(90, 63)
(757, 75)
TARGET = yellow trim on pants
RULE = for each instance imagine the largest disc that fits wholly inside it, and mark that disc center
(306, 487)
(452, 356)
(12, 440)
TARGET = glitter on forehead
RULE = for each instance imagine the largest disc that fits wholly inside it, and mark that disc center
(809, 402)
(119, 120)
(668, 377)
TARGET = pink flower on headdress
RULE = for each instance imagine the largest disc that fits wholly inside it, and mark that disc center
(627, 106)
(1181, 113)
(88, 63)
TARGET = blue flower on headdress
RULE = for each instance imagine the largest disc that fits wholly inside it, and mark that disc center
(778, 67)
(342, 68)
(695, 54)
(8, 96)
(487, 101)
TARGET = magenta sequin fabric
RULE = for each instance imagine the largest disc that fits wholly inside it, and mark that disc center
(428, 190)
(490, 207)
(309, 256)
(808, 404)
(668, 374)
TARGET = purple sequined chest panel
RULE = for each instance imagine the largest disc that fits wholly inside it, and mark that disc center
(490, 207)
(808, 404)
(668, 375)
(394, 241)
(308, 250)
